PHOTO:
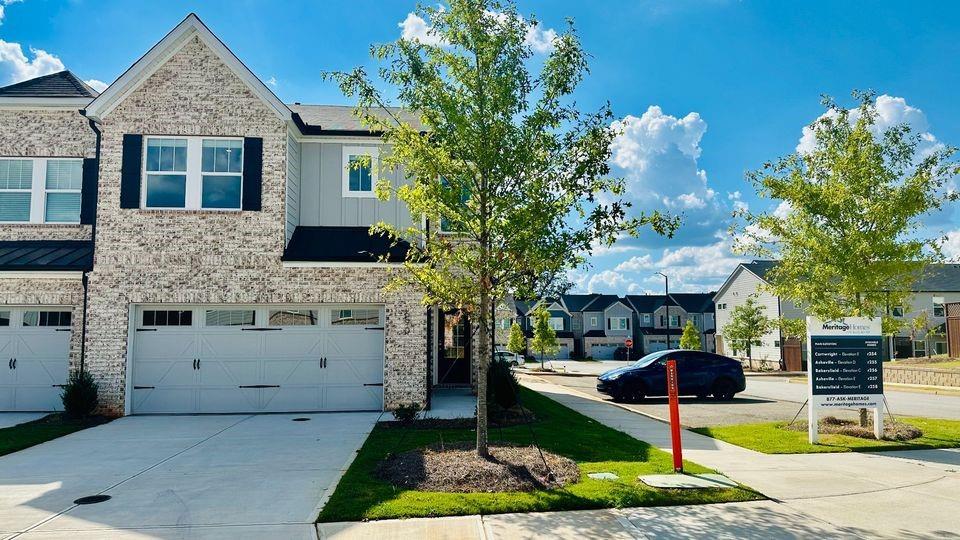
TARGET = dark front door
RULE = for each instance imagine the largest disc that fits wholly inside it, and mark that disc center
(453, 358)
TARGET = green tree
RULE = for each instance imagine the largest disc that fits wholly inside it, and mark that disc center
(517, 342)
(922, 328)
(848, 231)
(748, 323)
(792, 328)
(691, 337)
(544, 337)
(501, 156)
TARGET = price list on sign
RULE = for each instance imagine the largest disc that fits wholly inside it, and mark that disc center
(846, 371)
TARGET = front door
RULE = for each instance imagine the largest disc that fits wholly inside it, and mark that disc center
(453, 358)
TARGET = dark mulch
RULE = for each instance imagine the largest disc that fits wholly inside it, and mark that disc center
(896, 431)
(432, 423)
(457, 468)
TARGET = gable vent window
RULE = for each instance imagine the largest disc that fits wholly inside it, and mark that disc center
(40, 190)
(193, 173)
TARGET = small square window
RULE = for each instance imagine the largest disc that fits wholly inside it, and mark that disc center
(898, 311)
(293, 317)
(167, 317)
(359, 171)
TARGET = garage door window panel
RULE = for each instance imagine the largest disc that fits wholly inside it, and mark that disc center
(46, 318)
(4, 318)
(231, 317)
(165, 317)
(293, 317)
(348, 317)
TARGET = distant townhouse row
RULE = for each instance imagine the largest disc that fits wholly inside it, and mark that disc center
(939, 284)
(596, 325)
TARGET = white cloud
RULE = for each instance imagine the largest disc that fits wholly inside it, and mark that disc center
(3, 5)
(272, 81)
(690, 268)
(636, 264)
(97, 85)
(609, 281)
(415, 28)
(658, 155)
(18, 67)
(951, 246)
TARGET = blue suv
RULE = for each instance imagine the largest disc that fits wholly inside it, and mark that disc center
(698, 374)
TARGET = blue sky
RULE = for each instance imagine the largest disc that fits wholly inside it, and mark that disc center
(708, 89)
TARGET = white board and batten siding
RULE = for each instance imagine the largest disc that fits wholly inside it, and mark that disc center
(742, 285)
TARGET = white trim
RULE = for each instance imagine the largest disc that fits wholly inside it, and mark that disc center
(128, 371)
(44, 102)
(191, 26)
(359, 140)
(41, 274)
(38, 190)
(336, 264)
(193, 188)
(345, 153)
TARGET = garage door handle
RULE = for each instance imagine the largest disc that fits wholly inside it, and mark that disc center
(373, 384)
(259, 386)
(260, 329)
(62, 330)
(146, 329)
(144, 387)
(58, 385)
(374, 328)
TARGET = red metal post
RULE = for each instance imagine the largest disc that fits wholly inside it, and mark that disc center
(672, 392)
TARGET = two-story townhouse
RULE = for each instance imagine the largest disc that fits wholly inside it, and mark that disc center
(939, 284)
(660, 320)
(574, 303)
(699, 309)
(47, 195)
(645, 338)
(607, 323)
(216, 256)
(560, 320)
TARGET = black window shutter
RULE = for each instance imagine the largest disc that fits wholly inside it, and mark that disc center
(252, 173)
(88, 191)
(130, 171)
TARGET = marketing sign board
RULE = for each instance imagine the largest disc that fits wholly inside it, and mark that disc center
(845, 367)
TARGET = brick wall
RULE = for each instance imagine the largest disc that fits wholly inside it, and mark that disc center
(218, 257)
(921, 375)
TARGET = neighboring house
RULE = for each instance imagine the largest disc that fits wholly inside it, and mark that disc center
(199, 246)
(607, 324)
(940, 284)
(659, 320)
(560, 321)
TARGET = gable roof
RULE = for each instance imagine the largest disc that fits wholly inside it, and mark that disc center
(576, 302)
(191, 26)
(646, 303)
(601, 302)
(62, 84)
(693, 302)
(340, 119)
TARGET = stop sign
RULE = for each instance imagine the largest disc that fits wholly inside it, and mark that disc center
(628, 343)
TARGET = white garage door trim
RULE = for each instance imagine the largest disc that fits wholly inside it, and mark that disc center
(239, 361)
(34, 360)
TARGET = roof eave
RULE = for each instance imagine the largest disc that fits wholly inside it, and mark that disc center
(29, 102)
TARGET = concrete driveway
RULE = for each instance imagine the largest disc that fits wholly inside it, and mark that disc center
(231, 476)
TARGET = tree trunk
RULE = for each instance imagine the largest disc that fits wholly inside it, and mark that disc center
(483, 359)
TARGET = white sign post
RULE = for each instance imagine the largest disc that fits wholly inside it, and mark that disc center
(844, 368)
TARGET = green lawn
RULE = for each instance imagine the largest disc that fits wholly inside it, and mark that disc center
(595, 447)
(770, 439)
(15, 438)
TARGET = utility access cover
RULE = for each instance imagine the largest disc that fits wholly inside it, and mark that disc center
(688, 481)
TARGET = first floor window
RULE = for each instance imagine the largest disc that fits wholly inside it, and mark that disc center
(193, 173)
(919, 348)
(40, 190)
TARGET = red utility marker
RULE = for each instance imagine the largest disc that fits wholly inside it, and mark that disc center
(673, 392)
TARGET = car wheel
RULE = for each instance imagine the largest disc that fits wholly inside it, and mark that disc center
(723, 389)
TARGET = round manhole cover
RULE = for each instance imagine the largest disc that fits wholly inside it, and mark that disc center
(301, 419)
(92, 499)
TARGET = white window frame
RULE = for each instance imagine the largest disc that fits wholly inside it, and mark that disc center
(615, 323)
(938, 303)
(193, 190)
(670, 321)
(556, 323)
(374, 153)
(593, 322)
(38, 190)
(646, 318)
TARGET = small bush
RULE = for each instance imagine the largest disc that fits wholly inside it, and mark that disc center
(80, 395)
(502, 384)
(406, 412)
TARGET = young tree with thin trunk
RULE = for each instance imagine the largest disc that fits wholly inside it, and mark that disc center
(544, 336)
(503, 158)
(517, 342)
(748, 324)
(690, 339)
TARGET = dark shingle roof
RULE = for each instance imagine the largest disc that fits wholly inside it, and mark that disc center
(602, 302)
(595, 333)
(52, 255)
(341, 244)
(576, 302)
(646, 303)
(935, 277)
(694, 302)
(60, 84)
(339, 119)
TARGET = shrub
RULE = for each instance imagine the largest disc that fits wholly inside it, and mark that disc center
(502, 384)
(80, 395)
(406, 412)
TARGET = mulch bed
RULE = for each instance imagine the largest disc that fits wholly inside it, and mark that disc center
(457, 468)
(898, 431)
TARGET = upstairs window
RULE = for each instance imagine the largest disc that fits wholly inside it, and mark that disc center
(938, 306)
(359, 171)
(40, 190)
(646, 318)
(898, 311)
(618, 323)
(193, 173)
(674, 321)
(556, 323)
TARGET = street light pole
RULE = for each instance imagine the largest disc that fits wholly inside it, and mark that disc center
(666, 293)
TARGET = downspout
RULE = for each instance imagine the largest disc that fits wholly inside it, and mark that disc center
(85, 278)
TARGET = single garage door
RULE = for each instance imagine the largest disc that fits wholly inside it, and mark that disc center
(34, 357)
(215, 359)
(604, 351)
(563, 352)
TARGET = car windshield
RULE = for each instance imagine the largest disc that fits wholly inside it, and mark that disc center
(650, 358)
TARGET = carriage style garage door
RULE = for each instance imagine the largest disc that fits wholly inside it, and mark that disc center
(34, 353)
(228, 359)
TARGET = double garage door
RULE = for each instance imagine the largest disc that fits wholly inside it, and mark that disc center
(34, 353)
(232, 359)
